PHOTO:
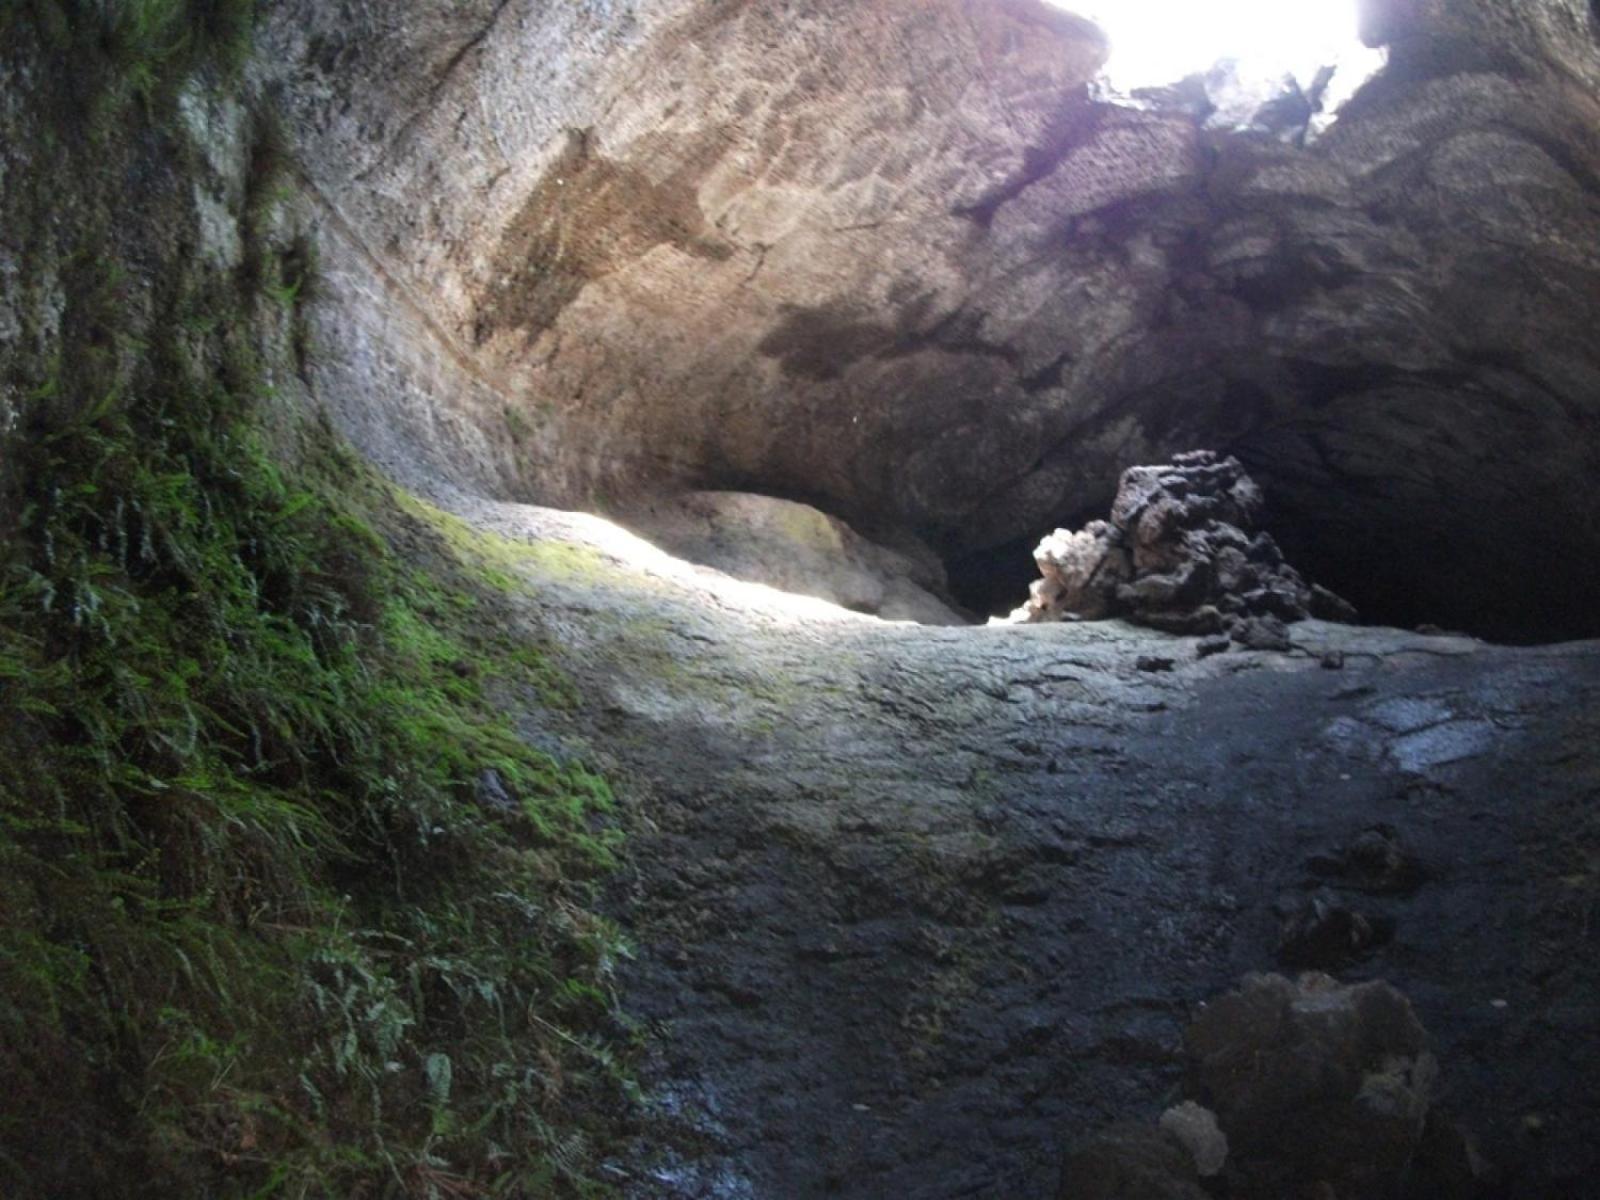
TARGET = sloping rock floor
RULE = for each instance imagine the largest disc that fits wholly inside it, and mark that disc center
(916, 907)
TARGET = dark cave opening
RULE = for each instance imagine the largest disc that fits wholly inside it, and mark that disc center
(993, 581)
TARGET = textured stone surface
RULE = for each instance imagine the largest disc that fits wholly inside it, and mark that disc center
(916, 908)
(1195, 1127)
(1129, 1162)
(1181, 553)
(888, 257)
(795, 548)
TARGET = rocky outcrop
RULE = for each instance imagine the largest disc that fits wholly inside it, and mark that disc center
(1180, 553)
(893, 257)
(796, 548)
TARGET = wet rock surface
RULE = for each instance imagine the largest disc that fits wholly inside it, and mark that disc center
(1181, 553)
(918, 909)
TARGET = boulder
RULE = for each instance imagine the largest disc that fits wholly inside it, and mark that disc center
(1314, 1083)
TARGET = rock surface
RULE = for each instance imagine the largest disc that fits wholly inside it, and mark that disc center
(1129, 1162)
(892, 256)
(795, 548)
(915, 908)
(1195, 1128)
(1180, 553)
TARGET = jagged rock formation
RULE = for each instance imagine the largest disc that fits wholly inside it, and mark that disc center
(892, 259)
(1180, 553)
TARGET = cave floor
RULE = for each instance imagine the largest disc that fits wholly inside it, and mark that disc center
(914, 907)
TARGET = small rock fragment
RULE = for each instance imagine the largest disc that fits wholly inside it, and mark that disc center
(492, 793)
(1320, 932)
(1152, 663)
(1374, 861)
(1196, 1129)
(1262, 633)
(1327, 606)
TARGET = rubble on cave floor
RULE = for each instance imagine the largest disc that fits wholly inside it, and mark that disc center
(1297, 1088)
(1180, 553)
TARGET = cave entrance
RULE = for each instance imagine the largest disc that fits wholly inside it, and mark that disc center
(1244, 47)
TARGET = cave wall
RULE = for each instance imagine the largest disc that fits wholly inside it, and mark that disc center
(893, 258)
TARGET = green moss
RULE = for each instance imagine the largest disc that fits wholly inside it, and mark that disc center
(246, 870)
(506, 562)
(287, 906)
(126, 52)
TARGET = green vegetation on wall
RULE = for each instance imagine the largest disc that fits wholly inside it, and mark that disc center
(120, 51)
(288, 907)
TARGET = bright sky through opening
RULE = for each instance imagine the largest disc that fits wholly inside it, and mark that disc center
(1160, 41)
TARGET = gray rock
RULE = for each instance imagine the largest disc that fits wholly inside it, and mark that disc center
(938, 286)
(1196, 1128)
(1313, 1083)
(1130, 1162)
(1318, 931)
(796, 548)
(492, 792)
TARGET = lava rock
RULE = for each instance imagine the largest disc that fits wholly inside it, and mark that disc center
(1180, 554)
(1261, 633)
(1196, 1129)
(1314, 1084)
(1374, 861)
